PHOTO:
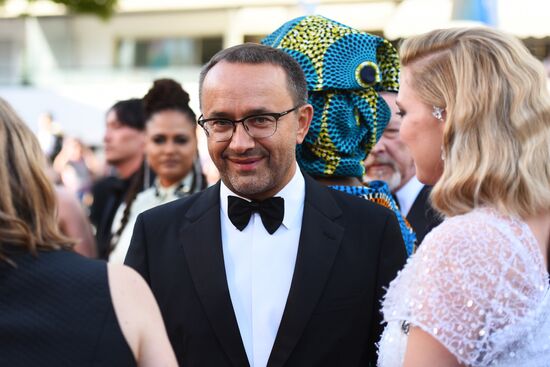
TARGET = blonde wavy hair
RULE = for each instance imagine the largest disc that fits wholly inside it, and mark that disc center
(28, 204)
(496, 139)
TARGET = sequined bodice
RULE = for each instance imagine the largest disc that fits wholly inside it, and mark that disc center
(478, 284)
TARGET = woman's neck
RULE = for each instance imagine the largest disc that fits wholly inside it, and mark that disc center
(167, 183)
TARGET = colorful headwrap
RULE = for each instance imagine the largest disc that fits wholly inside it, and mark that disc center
(345, 69)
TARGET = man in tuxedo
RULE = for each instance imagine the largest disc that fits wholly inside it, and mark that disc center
(267, 267)
(391, 161)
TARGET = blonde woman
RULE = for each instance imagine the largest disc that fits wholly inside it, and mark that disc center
(58, 308)
(476, 118)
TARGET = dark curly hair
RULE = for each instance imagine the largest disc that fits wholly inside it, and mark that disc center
(167, 94)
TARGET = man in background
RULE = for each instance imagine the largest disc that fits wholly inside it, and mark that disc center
(391, 161)
(124, 151)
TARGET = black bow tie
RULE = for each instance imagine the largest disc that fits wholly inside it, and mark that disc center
(271, 211)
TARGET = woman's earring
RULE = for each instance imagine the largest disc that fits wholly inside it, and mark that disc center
(442, 153)
(437, 112)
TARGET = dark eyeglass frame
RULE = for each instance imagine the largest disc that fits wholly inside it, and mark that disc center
(202, 121)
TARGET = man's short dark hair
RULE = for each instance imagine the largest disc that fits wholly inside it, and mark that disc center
(253, 53)
(130, 113)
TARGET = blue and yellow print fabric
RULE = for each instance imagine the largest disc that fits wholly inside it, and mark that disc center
(345, 69)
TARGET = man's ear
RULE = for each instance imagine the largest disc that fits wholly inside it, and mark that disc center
(305, 115)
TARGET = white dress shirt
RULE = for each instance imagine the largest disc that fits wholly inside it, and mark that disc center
(408, 194)
(259, 269)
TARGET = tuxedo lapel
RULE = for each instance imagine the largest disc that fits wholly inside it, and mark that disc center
(319, 243)
(204, 254)
(422, 217)
(417, 213)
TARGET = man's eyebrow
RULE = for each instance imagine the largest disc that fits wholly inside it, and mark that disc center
(250, 112)
(259, 110)
(216, 114)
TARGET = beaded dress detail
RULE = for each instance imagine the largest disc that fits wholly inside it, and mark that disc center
(478, 284)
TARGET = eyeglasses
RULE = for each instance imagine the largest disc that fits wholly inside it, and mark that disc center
(257, 126)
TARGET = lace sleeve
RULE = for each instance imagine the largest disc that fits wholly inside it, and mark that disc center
(470, 280)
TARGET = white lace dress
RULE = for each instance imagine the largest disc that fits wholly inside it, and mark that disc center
(478, 284)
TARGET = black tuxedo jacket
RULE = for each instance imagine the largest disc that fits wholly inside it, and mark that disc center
(349, 250)
(422, 217)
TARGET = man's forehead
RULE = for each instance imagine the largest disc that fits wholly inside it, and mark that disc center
(235, 82)
(220, 69)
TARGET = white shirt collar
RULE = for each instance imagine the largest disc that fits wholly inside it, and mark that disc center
(407, 195)
(293, 193)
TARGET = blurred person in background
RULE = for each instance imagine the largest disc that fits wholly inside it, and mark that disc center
(74, 223)
(50, 135)
(345, 75)
(171, 153)
(391, 161)
(71, 217)
(58, 308)
(77, 167)
(124, 151)
(476, 119)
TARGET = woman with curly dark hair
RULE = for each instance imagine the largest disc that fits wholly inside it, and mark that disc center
(171, 152)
